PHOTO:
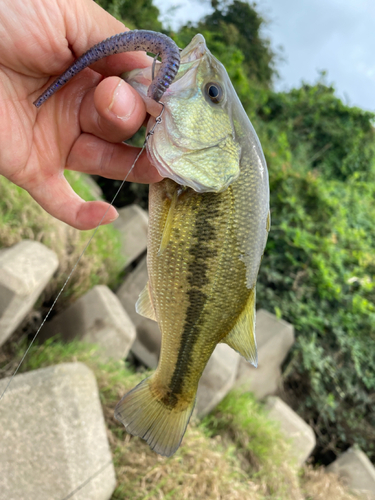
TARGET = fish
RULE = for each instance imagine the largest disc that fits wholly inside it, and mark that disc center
(209, 220)
(208, 225)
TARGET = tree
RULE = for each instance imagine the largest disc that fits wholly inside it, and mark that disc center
(239, 24)
(142, 14)
(339, 139)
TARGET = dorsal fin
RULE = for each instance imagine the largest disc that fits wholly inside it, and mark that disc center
(242, 336)
(144, 305)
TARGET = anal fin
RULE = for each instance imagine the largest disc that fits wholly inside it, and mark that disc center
(144, 305)
(242, 336)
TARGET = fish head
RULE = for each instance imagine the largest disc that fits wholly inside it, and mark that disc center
(195, 144)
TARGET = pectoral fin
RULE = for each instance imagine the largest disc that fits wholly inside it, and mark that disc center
(168, 224)
(144, 305)
(268, 227)
(242, 337)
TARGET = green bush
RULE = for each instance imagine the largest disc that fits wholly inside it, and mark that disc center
(340, 139)
(318, 273)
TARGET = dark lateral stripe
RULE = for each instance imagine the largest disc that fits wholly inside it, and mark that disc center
(204, 232)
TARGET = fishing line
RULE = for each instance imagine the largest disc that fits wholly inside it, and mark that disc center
(87, 481)
(149, 134)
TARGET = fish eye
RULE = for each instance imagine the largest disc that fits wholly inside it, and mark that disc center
(214, 92)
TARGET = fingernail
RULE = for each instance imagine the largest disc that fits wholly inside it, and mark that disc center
(123, 101)
(113, 217)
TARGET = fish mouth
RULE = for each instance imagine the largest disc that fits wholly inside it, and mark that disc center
(191, 57)
(196, 49)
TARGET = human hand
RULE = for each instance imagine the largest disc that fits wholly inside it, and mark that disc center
(79, 128)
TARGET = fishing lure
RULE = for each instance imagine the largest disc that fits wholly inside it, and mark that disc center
(129, 41)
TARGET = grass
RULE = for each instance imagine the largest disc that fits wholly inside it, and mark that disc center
(236, 453)
(22, 218)
(262, 450)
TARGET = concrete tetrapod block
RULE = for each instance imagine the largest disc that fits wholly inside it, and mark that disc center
(132, 224)
(53, 437)
(97, 317)
(217, 379)
(274, 339)
(293, 427)
(357, 471)
(146, 347)
(25, 270)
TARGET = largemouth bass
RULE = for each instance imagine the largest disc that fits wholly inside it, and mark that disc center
(207, 233)
(208, 226)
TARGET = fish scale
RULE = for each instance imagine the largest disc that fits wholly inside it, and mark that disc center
(210, 262)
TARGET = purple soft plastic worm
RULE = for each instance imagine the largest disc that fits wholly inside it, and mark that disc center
(149, 41)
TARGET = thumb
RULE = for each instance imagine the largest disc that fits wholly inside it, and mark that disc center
(89, 24)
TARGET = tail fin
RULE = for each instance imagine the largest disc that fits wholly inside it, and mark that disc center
(149, 418)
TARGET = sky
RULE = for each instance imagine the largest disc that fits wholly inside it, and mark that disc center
(336, 36)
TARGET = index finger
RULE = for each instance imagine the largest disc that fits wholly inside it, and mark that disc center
(95, 156)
